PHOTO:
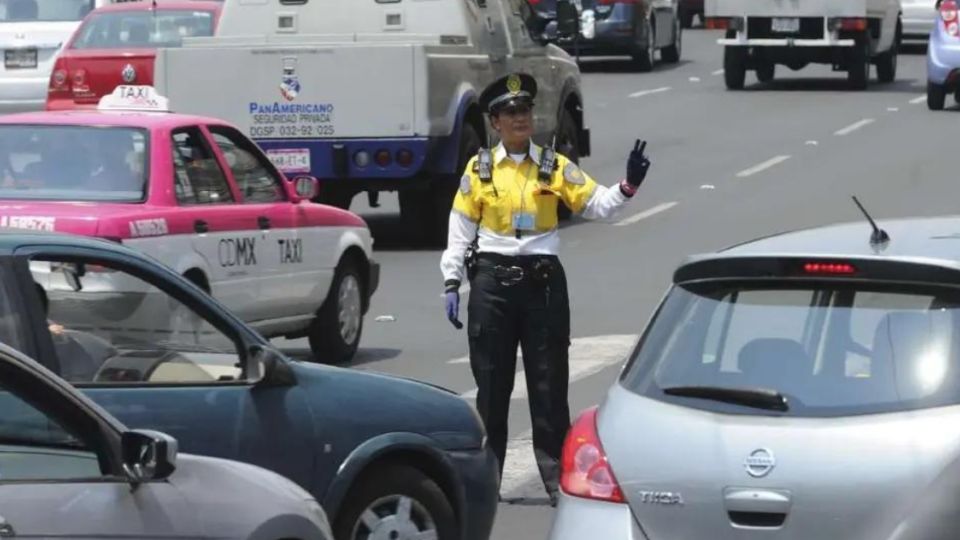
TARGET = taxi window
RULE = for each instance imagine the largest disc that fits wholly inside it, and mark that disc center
(252, 171)
(148, 29)
(73, 163)
(44, 10)
(197, 176)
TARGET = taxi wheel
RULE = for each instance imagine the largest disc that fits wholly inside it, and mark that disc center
(396, 501)
(936, 97)
(335, 333)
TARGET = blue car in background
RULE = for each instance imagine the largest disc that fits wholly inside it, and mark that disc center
(635, 28)
(943, 56)
(386, 457)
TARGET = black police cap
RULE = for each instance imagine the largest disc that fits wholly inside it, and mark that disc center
(513, 88)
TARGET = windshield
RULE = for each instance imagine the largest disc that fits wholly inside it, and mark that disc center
(143, 29)
(44, 10)
(829, 350)
(72, 163)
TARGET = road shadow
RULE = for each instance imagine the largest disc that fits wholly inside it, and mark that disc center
(527, 501)
(913, 49)
(363, 356)
(623, 65)
(838, 84)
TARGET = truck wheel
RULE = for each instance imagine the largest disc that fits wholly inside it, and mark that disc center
(734, 67)
(644, 54)
(396, 501)
(686, 18)
(766, 71)
(671, 54)
(936, 96)
(887, 64)
(858, 70)
(568, 144)
(334, 334)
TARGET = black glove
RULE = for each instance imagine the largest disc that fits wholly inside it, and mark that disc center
(637, 164)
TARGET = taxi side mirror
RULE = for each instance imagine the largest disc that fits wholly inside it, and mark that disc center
(305, 188)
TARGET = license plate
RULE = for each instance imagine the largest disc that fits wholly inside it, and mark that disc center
(20, 58)
(291, 160)
(785, 26)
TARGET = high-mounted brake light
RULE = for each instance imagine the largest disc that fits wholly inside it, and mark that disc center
(585, 471)
(828, 268)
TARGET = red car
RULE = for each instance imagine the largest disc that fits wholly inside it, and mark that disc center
(116, 45)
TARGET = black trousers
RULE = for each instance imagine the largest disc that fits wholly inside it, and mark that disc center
(508, 307)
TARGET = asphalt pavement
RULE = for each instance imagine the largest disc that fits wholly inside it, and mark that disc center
(727, 167)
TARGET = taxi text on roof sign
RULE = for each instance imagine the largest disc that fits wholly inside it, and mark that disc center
(134, 98)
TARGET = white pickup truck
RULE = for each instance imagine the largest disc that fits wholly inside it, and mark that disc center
(850, 35)
(374, 95)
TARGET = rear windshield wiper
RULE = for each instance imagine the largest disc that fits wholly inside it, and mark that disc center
(759, 398)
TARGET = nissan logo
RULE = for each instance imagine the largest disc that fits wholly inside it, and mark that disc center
(129, 74)
(760, 462)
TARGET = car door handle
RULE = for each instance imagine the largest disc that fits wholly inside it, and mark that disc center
(201, 226)
(263, 222)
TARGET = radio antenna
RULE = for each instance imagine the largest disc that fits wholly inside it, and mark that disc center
(879, 236)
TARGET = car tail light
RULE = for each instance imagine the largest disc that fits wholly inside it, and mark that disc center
(829, 268)
(58, 78)
(585, 471)
(850, 23)
(382, 157)
(948, 12)
(725, 23)
(404, 158)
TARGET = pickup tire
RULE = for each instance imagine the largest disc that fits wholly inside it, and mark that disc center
(334, 334)
(671, 54)
(734, 67)
(858, 66)
(395, 501)
(645, 50)
(936, 96)
(887, 62)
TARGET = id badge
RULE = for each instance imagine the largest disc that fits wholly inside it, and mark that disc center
(524, 221)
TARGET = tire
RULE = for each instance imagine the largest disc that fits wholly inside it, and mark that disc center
(734, 67)
(887, 62)
(686, 18)
(671, 54)
(334, 334)
(568, 144)
(644, 57)
(936, 96)
(766, 71)
(380, 492)
(336, 196)
(858, 71)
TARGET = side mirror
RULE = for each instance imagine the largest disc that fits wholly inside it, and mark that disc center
(305, 187)
(269, 368)
(148, 455)
(568, 20)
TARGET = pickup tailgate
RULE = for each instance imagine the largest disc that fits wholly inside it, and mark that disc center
(786, 8)
(295, 92)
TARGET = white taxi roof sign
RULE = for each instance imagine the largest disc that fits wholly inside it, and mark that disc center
(134, 98)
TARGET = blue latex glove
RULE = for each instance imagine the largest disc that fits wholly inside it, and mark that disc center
(452, 300)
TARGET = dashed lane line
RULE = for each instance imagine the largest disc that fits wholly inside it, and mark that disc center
(760, 167)
(645, 214)
(853, 127)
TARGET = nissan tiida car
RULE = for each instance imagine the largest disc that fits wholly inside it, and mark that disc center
(799, 386)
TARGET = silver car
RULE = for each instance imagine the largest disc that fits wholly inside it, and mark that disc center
(69, 470)
(918, 18)
(805, 385)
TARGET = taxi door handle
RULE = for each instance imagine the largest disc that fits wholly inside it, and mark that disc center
(263, 222)
(200, 226)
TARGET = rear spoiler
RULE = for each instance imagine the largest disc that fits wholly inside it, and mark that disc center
(819, 267)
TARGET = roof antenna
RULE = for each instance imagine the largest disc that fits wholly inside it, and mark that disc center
(879, 236)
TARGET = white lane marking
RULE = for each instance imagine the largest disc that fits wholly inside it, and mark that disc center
(463, 292)
(648, 92)
(893, 109)
(717, 72)
(461, 360)
(918, 100)
(708, 186)
(520, 475)
(812, 143)
(854, 126)
(645, 214)
(694, 79)
(760, 167)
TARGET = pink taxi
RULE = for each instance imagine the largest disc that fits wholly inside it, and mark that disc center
(199, 196)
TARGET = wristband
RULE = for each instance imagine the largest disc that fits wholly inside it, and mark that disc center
(627, 190)
(451, 285)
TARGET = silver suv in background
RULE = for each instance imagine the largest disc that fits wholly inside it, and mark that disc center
(805, 385)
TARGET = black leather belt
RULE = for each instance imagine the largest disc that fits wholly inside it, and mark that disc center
(510, 270)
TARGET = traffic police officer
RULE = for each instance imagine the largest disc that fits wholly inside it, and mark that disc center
(505, 215)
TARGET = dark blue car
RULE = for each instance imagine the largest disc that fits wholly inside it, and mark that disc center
(387, 457)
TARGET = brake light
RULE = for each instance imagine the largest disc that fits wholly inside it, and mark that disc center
(856, 24)
(382, 157)
(404, 157)
(58, 77)
(828, 268)
(948, 12)
(584, 468)
(717, 23)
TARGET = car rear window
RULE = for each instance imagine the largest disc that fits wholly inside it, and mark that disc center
(831, 350)
(14, 11)
(143, 29)
(73, 163)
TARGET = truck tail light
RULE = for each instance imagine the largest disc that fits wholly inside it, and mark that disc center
(856, 24)
(404, 157)
(585, 471)
(382, 157)
(361, 159)
(948, 12)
